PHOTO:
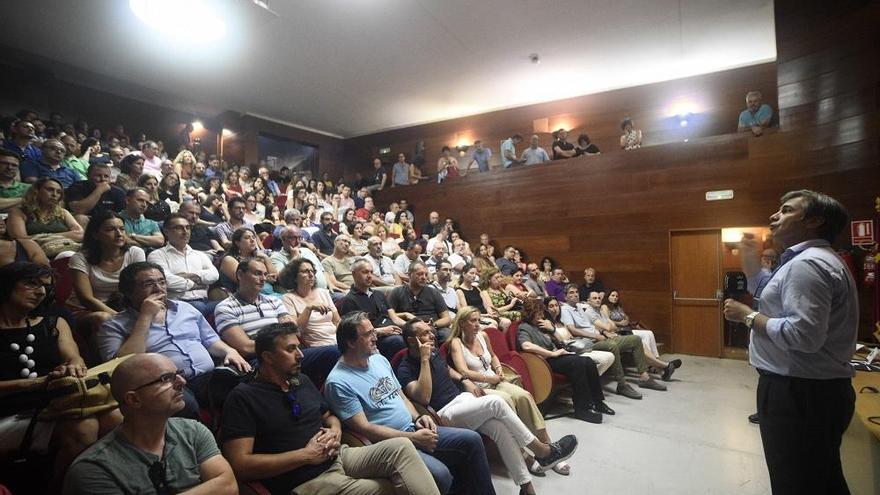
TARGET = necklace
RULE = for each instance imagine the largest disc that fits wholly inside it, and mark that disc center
(26, 350)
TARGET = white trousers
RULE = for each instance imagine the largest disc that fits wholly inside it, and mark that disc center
(603, 360)
(648, 342)
(491, 416)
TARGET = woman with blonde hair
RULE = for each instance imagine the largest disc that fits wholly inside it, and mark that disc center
(473, 357)
(498, 303)
(41, 218)
(184, 163)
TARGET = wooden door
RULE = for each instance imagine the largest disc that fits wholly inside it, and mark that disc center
(696, 292)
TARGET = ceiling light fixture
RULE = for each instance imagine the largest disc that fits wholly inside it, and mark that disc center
(197, 125)
(184, 20)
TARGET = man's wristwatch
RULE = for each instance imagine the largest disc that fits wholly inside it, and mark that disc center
(749, 320)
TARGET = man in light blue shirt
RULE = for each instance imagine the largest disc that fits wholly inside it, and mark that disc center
(153, 323)
(535, 154)
(757, 116)
(803, 336)
(400, 172)
(508, 151)
(480, 155)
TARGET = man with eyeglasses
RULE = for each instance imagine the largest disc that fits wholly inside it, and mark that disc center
(202, 237)
(291, 249)
(293, 218)
(21, 141)
(50, 165)
(279, 429)
(151, 451)
(153, 323)
(189, 272)
(364, 393)
(11, 190)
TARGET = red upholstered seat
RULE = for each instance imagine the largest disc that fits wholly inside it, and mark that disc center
(509, 356)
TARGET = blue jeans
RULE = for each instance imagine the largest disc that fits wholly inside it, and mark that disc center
(319, 361)
(459, 457)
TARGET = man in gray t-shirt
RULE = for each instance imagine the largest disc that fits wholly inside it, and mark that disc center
(150, 451)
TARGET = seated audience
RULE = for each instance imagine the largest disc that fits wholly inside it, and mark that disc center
(151, 322)
(150, 450)
(140, 231)
(324, 238)
(232, 186)
(169, 190)
(383, 267)
(591, 284)
(584, 146)
(498, 303)
(555, 287)
(508, 151)
(213, 210)
(185, 164)
(22, 141)
(438, 254)
(301, 451)
(87, 197)
(506, 262)
(94, 271)
(433, 227)
(72, 158)
(361, 297)
(536, 334)
(254, 212)
(157, 209)
(561, 147)
(590, 324)
(482, 261)
(757, 116)
(632, 137)
(443, 284)
(411, 252)
(553, 315)
(49, 165)
(472, 409)
(245, 245)
(517, 288)
(474, 359)
(130, 170)
(311, 307)
(469, 294)
(50, 353)
(390, 245)
(202, 237)
(358, 240)
(417, 299)
(384, 412)
(152, 158)
(293, 248)
(189, 272)
(215, 187)
(196, 184)
(533, 281)
(236, 209)
(42, 218)
(613, 311)
(337, 266)
(11, 190)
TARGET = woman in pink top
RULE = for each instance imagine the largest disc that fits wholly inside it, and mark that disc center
(315, 313)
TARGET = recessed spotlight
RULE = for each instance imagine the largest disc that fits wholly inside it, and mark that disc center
(535, 58)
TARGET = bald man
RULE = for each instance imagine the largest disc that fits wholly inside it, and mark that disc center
(150, 448)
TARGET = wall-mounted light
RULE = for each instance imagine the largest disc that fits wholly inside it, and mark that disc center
(683, 119)
(462, 149)
(228, 133)
(197, 125)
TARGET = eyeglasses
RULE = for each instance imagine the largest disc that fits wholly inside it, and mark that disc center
(484, 363)
(294, 405)
(157, 477)
(163, 379)
(35, 284)
(153, 284)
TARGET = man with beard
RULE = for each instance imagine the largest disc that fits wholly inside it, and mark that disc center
(324, 238)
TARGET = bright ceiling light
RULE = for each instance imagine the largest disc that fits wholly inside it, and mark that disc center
(197, 125)
(184, 20)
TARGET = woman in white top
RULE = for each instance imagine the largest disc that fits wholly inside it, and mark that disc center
(315, 313)
(358, 240)
(94, 271)
(473, 357)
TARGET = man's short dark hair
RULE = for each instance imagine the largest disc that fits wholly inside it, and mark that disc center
(833, 214)
(347, 330)
(167, 223)
(233, 200)
(96, 165)
(131, 192)
(10, 154)
(244, 266)
(409, 330)
(517, 136)
(129, 274)
(265, 339)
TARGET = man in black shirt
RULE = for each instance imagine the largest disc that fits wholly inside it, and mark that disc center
(202, 238)
(324, 238)
(98, 193)
(591, 284)
(372, 302)
(561, 147)
(433, 227)
(380, 176)
(419, 300)
(279, 429)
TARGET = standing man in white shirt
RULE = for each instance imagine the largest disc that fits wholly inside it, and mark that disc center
(188, 272)
(804, 328)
